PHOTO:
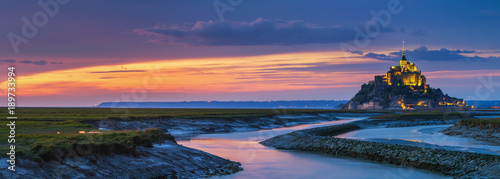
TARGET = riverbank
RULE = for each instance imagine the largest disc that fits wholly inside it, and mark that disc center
(414, 118)
(451, 163)
(481, 129)
(112, 154)
(168, 160)
(492, 135)
(465, 123)
(389, 123)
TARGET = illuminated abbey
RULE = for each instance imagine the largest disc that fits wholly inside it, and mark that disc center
(405, 74)
(402, 87)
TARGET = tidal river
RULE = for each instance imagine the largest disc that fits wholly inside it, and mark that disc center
(259, 161)
(424, 136)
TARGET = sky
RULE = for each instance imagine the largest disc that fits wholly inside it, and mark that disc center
(84, 52)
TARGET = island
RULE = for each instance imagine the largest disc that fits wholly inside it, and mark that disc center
(402, 87)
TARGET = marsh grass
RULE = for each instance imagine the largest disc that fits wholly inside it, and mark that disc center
(481, 123)
(89, 114)
(66, 145)
(424, 115)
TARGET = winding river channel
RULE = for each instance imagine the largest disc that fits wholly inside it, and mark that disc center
(259, 161)
(424, 136)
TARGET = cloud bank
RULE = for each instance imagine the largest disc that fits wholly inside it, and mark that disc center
(40, 62)
(258, 32)
(422, 53)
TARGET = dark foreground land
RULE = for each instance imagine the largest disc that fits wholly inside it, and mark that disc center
(70, 142)
(140, 143)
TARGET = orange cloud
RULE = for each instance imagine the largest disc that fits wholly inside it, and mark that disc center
(228, 74)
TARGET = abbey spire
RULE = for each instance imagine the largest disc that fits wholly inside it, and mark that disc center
(403, 60)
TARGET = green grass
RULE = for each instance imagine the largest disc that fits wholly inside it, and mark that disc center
(424, 115)
(58, 146)
(79, 114)
(47, 127)
(481, 123)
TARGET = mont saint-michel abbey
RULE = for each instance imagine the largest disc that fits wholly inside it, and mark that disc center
(405, 74)
(402, 87)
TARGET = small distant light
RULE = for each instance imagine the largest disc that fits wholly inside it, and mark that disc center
(81, 132)
(58, 132)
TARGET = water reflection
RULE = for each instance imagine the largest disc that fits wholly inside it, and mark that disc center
(426, 134)
(259, 161)
(486, 117)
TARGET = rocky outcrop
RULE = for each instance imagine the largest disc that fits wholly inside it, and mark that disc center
(452, 163)
(168, 160)
(402, 87)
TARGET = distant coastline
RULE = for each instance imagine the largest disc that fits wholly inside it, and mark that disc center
(297, 104)
(281, 104)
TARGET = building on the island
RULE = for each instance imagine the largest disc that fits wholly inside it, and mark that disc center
(406, 74)
(402, 87)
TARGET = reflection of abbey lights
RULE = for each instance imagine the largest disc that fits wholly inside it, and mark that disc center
(402, 87)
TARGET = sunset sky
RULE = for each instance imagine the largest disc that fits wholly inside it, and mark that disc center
(85, 52)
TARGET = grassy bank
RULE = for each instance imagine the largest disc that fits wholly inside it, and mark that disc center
(58, 146)
(481, 123)
(424, 115)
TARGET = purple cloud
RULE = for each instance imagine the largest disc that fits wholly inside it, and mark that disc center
(359, 52)
(7, 61)
(258, 32)
(41, 62)
(422, 53)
